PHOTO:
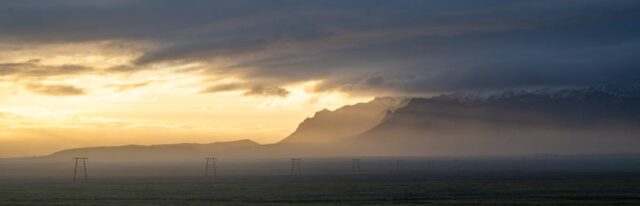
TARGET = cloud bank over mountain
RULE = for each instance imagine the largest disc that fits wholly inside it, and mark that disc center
(594, 120)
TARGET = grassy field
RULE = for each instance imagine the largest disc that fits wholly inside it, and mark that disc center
(465, 188)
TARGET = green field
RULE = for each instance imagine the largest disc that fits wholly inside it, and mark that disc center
(466, 188)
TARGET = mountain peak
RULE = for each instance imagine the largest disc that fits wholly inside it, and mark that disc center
(327, 126)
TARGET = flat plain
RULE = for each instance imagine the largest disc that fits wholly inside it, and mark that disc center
(477, 189)
(447, 186)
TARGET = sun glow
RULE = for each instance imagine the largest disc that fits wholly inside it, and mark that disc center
(160, 104)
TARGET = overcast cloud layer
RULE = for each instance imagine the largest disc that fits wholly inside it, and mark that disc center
(407, 47)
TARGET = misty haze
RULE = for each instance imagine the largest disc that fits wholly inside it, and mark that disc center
(137, 102)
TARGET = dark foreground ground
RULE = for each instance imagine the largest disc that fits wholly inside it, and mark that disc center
(602, 181)
(564, 188)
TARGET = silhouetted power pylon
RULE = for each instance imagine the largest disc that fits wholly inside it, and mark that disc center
(399, 165)
(296, 166)
(210, 167)
(431, 164)
(80, 165)
(355, 165)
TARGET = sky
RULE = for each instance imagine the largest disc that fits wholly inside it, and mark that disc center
(93, 73)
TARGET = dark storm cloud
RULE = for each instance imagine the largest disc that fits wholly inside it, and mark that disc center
(358, 46)
(55, 89)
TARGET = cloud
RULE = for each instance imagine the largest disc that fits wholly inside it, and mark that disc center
(123, 69)
(256, 90)
(126, 87)
(34, 68)
(55, 89)
(267, 91)
(356, 46)
(223, 88)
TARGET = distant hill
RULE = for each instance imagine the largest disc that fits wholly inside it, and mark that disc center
(330, 126)
(161, 152)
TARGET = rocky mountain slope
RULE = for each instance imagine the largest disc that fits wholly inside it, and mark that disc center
(330, 126)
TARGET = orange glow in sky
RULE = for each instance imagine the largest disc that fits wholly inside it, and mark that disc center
(51, 103)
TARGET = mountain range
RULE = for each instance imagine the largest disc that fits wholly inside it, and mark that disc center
(594, 120)
(601, 119)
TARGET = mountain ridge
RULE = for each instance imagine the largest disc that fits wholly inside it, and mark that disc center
(600, 119)
(171, 151)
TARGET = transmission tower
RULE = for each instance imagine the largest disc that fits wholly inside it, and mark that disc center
(355, 165)
(210, 167)
(399, 165)
(80, 165)
(431, 164)
(296, 166)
